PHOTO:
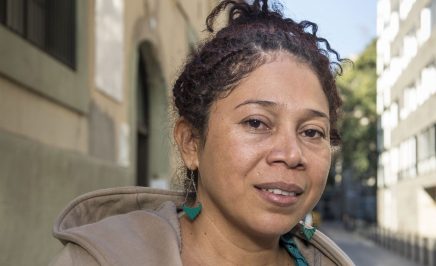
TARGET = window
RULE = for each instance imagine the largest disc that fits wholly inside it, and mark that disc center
(409, 101)
(405, 7)
(386, 126)
(47, 24)
(394, 114)
(407, 159)
(109, 43)
(2, 11)
(428, 80)
(395, 163)
(410, 45)
(424, 32)
(40, 69)
(427, 150)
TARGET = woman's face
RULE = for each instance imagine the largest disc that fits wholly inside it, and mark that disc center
(266, 156)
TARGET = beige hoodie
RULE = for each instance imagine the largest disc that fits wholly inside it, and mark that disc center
(140, 226)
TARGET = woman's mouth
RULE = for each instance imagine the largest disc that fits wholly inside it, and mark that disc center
(279, 194)
(278, 191)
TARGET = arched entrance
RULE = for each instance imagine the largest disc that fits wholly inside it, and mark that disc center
(153, 140)
(142, 122)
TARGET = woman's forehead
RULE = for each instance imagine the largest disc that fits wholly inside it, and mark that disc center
(282, 81)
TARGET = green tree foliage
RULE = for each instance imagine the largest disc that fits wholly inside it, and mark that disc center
(358, 125)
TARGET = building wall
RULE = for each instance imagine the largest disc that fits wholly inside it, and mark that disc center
(406, 100)
(64, 133)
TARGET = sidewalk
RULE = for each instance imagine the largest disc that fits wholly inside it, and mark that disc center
(362, 251)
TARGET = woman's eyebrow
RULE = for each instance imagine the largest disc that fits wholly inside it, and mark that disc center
(259, 102)
(310, 112)
(315, 113)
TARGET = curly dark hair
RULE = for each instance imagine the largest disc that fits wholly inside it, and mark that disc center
(253, 35)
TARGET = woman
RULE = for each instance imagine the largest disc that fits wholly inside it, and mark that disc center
(257, 107)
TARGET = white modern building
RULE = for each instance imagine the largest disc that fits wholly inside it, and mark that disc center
(406, 104)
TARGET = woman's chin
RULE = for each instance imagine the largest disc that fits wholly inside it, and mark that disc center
(275, 225)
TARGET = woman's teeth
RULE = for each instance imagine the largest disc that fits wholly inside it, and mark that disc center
(279, 192)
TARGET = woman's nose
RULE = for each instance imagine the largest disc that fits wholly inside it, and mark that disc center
(287, 150)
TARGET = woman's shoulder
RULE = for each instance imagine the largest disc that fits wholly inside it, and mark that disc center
(116, 225)
(73, 255)
(319, 249)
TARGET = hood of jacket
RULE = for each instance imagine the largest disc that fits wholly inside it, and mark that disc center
(124, 226)
(134, 225)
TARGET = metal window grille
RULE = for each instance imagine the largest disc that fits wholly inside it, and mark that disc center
(2, 11)
(48, 24)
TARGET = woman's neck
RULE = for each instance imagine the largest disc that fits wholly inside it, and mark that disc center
(206, 241)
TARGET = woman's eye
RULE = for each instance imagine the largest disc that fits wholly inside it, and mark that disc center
(313, 133)
(256, 124)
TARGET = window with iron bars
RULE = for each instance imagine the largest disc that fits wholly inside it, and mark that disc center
(47, 24)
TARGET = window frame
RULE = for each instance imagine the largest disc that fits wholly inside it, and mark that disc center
(42, 73)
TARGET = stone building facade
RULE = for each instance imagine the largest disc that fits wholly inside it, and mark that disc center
(84, 104)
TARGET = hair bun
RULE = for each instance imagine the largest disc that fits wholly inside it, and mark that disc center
(242, 12)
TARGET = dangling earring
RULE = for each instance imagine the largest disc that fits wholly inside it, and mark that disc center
(307, 231)
(192, 212)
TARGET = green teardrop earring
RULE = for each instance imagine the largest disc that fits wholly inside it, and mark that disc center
(308, 232)
(192, 212)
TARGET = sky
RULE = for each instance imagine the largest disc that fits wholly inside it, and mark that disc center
(349, 25)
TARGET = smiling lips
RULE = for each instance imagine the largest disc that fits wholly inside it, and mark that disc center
(280, 193)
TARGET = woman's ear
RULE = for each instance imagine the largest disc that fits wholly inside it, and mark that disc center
(188, 142)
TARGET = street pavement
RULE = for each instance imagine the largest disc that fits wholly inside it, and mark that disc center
(361, 250)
